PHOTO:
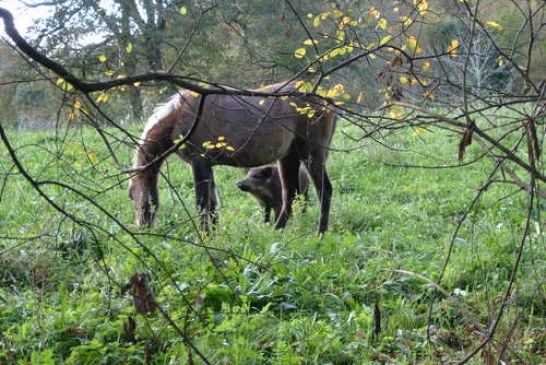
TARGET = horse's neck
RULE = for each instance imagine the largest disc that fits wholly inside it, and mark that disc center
(156, 139)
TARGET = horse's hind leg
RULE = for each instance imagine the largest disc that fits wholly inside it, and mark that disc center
(316, 165)
(289, 173)
(203, 178)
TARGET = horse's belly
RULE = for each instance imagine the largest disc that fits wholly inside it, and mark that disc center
(252, 149)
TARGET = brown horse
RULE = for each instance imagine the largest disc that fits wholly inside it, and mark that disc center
(243, 131)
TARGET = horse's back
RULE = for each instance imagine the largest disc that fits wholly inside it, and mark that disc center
(240, 131)
(249, 130)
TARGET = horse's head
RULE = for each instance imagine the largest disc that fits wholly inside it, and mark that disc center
(144, 194)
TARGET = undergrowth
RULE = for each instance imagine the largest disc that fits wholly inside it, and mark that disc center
(366, 292)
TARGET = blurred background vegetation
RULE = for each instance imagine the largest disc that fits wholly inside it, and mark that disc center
(247, 43)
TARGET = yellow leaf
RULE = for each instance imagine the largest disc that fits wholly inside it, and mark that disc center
(374, 12)
(137, 84)
(92, 157)
(382, 23)
(403, 79)
(339, 88)
(316, 22)
(426, 65)
(500, 61)
(340, 36)
(421, 5)
(406, 20)
(324, 15)
(395, 112)
(360, 98)
(417, 131)
(179, 139)
(452, 48)
(261, 102)
(494, 25)
(300, 52)
(310, 42)
(385, 40)
(102, 98)
(429, 95)
(304, 86)
(109, 73)
(221, 138)
(129, 47)
(230, 148)
(102, 58)
(64, 85)
(183, 10)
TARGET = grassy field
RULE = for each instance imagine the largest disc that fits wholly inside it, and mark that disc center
(250, 294)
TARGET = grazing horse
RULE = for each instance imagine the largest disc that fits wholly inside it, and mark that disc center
(235, 130)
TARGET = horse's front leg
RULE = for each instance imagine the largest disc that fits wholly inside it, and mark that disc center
(288, 169)
(203, 178)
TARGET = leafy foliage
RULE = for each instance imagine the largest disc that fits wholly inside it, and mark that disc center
(249, 294)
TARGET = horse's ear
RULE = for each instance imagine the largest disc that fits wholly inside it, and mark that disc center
(132, 170)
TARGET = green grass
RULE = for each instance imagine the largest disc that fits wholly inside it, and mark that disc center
(250, 294)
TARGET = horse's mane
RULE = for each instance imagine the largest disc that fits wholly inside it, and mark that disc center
(163, 110)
